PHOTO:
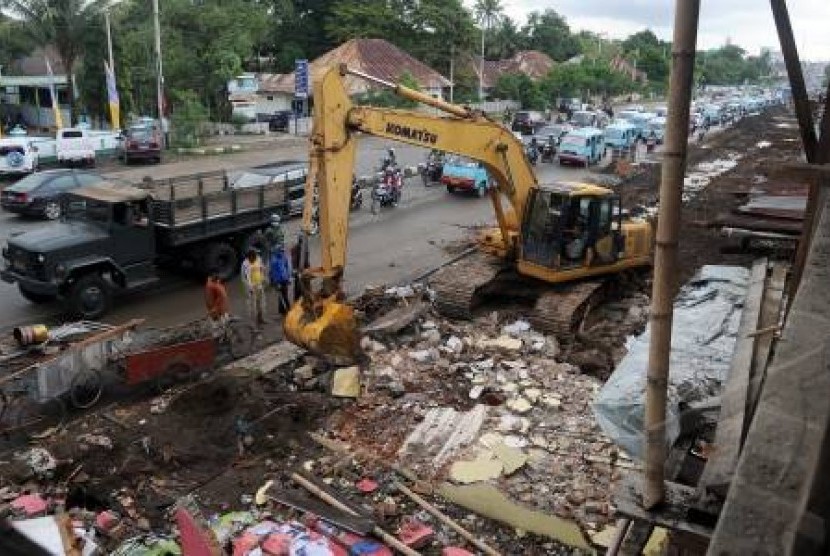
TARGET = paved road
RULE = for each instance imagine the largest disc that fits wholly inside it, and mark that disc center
(391, 247)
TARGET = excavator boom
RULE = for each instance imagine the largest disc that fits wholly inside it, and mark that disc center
(336, 123)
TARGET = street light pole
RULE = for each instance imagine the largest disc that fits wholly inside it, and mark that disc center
(159, 72)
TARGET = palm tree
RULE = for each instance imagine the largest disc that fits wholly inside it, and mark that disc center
(488, 13)
(62, 24)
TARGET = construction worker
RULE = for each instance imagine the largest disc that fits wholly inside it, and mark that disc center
(274, 237)
(253, 279)
(279, 273)
(216, 301)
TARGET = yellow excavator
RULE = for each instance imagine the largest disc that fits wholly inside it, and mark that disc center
(555, 241)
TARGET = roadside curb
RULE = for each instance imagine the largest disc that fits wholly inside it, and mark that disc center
(207, 151)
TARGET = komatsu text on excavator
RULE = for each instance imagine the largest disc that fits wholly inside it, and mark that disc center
(555, 241)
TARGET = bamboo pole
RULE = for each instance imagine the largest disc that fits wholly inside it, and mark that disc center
(377, 531)
(686, 17)
(447, 520)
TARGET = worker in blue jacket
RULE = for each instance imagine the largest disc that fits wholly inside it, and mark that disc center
(279, 274)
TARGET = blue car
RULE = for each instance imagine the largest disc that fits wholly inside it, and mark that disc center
(620, 135)
(583, 146)
(465, 175)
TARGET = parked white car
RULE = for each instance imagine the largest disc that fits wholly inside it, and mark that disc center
(17, 156)
(74, 146)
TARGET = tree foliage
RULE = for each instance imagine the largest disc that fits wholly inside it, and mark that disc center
(207, 42)
(729, 65)
(61, 23)
(549, 32)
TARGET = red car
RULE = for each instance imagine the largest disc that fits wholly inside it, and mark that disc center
(142, 143)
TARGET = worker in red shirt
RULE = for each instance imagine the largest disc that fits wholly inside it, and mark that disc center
(216, 301)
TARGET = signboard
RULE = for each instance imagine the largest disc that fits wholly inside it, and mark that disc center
(301, 78)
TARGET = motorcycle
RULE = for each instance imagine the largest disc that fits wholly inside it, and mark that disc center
(387, 191)
(548, 151)
(431, 171)
(356, 201)
(532, 153)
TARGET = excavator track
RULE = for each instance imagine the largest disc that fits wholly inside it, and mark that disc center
(560, 312)
(456, 285)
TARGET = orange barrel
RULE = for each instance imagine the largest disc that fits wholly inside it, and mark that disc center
(30, 335)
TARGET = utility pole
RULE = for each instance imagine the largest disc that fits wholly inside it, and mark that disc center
(159, 73)
(481, 70)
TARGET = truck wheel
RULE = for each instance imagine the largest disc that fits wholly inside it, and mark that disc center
(221, 259)
(90, 297)
(450, 189)
(36, 298)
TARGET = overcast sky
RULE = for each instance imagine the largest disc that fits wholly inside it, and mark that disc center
(747, 23)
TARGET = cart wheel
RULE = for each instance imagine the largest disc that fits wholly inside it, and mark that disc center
(240, 337)
(180, 371)
(86, 388)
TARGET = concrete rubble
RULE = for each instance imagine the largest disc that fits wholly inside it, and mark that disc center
(493, 403)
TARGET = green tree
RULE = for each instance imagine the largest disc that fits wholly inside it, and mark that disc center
(521, 88)
(506, 41)
(61, 23)
(549, 32)
(488, 13)
(14, 41)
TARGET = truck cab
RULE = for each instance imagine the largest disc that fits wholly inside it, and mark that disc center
(105, 241)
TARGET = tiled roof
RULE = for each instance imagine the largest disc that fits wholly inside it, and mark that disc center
(34, 65)
(533, 63)
(376, 57)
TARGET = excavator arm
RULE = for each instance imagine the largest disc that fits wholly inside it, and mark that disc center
(319, 320)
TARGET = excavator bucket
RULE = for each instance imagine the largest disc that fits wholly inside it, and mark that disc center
(325, 326)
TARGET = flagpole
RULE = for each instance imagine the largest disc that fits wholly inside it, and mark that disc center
(109, 39)
(160, 74)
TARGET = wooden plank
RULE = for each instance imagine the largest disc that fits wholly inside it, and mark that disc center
(731, 423)
(674, 513)
(784, 460)
(770, 314)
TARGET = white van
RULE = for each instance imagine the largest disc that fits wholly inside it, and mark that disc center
(74, 146)
(17, 156)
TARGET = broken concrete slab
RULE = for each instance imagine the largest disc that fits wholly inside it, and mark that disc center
(502, 343)
(511, 458)
(487, 500)
(396, 320)
(268, 360)
(345, 382)
(485, 467)
(443, 432)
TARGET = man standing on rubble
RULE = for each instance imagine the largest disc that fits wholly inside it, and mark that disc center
(253, 278)
(279, 273)
(216, 301)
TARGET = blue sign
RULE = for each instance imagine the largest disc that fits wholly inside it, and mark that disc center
(301, 78)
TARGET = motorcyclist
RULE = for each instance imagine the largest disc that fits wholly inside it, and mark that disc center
(389, 161)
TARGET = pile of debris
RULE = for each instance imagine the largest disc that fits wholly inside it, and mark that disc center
(491, 408)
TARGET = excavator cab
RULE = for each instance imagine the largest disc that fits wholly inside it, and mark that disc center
(571, 226)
